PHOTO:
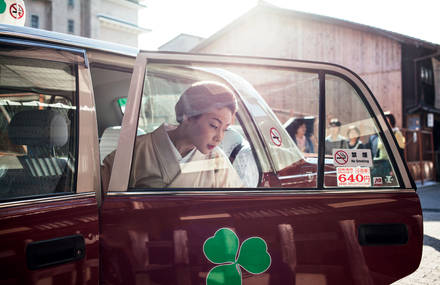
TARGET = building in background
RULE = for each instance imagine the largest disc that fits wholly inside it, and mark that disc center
(400, 70)
(109, 20)
(181, 43)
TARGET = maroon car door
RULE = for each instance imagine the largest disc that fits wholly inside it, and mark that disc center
(49, 173)
(307, 208)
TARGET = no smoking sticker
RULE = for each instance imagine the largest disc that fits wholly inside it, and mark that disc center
(352, 157)
(275, 137)
(353, 176)
(16, 11)
(340, 157)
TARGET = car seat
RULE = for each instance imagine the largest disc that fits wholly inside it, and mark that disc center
(41, 131)
(109, 140)
(240, 154)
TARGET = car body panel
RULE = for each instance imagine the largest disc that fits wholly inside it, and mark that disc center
(310, 237)
(45, 219)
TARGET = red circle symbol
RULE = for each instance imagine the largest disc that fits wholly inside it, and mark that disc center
(341, 157)
(16, 11)
(275, 137)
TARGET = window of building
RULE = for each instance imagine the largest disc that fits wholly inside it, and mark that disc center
(35, 21)
(71, 3)
(71, 26)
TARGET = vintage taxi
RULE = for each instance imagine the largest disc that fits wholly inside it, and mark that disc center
(332, 215)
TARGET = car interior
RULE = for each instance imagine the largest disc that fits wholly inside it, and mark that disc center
(110, 84)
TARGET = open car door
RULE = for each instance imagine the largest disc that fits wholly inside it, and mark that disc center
(310, 211)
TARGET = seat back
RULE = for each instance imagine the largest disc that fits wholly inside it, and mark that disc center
(239, 151)
(109, 140)
(40, 132)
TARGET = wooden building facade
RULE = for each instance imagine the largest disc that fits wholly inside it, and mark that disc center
(391, 64)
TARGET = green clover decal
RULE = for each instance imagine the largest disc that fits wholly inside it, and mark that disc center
(2, 6)
(222, 249)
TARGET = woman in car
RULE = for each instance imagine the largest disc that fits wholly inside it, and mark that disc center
(186, 155)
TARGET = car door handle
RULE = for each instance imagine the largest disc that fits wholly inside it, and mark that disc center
(383, 234)
(45, 253)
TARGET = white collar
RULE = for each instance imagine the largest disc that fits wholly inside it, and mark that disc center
(177, 154)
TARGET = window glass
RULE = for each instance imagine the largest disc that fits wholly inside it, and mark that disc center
(187, 137)
(37, 127)
(355, 152)
(285, 110)
(109, 84)
(188, 133)
(70, 26)
(35, 21)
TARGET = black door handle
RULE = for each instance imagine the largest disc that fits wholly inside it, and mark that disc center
(45, 253)
(383, 234)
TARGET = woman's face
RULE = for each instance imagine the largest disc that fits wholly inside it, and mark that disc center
(301, 130)
(206, 131)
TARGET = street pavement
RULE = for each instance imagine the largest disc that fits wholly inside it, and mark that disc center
(429, 269)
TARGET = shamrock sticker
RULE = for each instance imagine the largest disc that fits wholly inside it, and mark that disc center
(222, 249)
(2, 6)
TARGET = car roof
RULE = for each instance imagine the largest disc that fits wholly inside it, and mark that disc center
(66, 39)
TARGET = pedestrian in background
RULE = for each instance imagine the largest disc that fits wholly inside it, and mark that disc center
(334, 140)
(353, 135)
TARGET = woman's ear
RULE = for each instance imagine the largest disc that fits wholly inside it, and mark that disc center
(186, 120)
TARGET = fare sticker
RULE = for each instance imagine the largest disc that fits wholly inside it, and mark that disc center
(353, 176)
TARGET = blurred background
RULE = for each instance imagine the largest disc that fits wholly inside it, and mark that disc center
(393, 46)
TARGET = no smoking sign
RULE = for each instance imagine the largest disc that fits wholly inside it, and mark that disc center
(352, 157)
(340, 157)
(275, 137)
(16, 10)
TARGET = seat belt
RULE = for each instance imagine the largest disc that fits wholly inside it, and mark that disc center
(234, 152)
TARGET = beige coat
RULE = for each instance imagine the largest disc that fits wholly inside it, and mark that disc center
(155, 166)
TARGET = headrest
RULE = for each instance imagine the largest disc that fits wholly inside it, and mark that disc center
(231, 139)
(38, 127)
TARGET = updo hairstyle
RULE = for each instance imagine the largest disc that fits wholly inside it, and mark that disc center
(203, 97)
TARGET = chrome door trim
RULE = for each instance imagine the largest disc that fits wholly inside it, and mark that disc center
(33, 201)
(265, 192)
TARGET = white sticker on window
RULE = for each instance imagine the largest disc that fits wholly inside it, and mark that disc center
(353, 176)
(352, 157)
(377, 181)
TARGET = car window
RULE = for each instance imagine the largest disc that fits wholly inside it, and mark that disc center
(110, 88)
(183, 107)
(353, 141)
(37, 126)
(289, 127)
(258, 142)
